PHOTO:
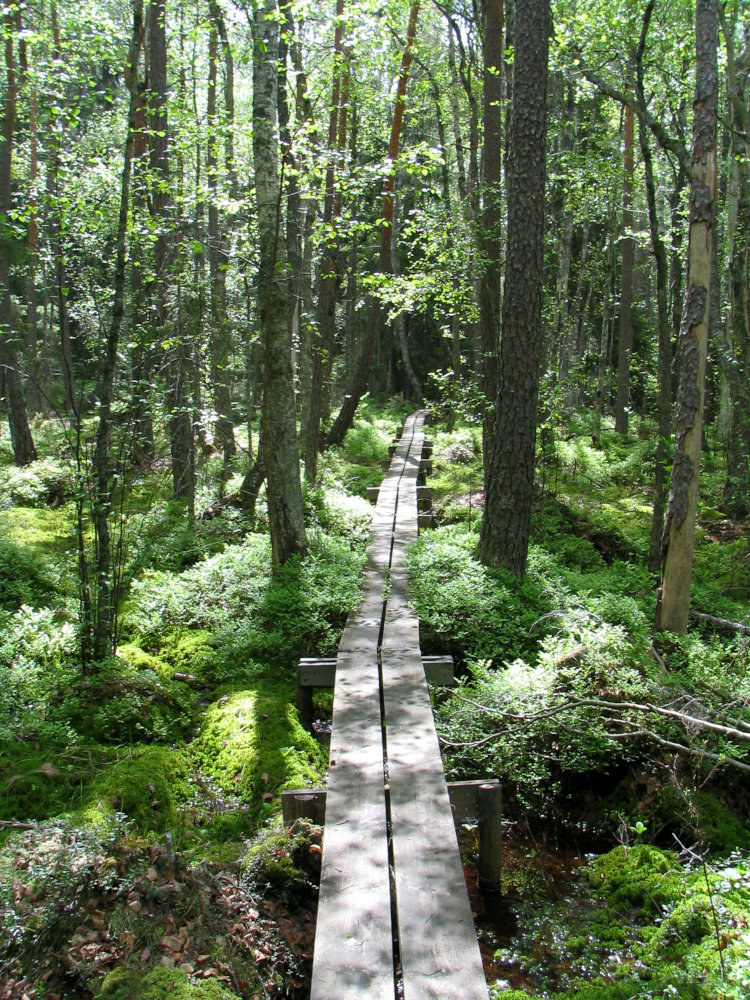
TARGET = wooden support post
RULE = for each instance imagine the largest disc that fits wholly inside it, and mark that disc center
(424, 499)
(490, 836)
(304, 704)
(372, 493)
(427, 449)
(385, 464)
(426, 521)
(304, 804)
(425, 467)
(392, 450)
(314, 671)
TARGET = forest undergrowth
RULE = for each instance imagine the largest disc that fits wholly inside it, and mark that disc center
(143, 853)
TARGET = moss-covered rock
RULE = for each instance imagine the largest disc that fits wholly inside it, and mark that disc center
(145, 784)
(251, 742)
(159, 984)
(641, 877)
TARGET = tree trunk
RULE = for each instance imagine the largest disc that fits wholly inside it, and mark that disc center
(218, 261)
(178, 354)
(357, 386)
(35, 391)
(673, 600)
(504, 536)
(284, 492)
(107, 576)
(664, 339)
(20, 433)
(325, 314)
(736, 498)
(622, 402)
(493, 48)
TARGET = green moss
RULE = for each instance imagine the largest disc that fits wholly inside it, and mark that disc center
(253, 745)
(146, 785)
(641, 877)
(717, 826)
(138, 659)
(270, 862)
(159, 984)
(39, 783)
(188, 651)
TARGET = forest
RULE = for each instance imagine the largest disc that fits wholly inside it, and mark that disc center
(240, 240)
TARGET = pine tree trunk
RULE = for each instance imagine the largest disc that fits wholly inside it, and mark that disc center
(504, 536)
(492, 215)
(673, 600)
(736, 497)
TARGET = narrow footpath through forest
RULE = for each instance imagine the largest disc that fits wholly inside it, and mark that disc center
(394, 917)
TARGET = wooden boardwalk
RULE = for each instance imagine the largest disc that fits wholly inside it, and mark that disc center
(394, 918)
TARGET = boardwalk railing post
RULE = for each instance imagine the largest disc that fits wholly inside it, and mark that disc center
(490, 836)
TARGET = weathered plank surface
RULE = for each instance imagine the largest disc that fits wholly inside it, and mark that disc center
(385, 766)
(438, 945)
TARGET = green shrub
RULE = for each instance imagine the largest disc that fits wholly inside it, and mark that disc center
(37, 666)
(131, 698)
(466, 607)
(23, 578)
(46, 482)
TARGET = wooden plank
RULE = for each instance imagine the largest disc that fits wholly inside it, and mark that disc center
(438, 946)
(354, 952)
(439, 952)
(313, 672)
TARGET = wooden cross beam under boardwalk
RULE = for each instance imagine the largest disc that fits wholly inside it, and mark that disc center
(394, 917)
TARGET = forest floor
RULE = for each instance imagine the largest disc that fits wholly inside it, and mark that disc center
(141, 848)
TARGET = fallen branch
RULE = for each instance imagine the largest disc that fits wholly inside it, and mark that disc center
(721, 622)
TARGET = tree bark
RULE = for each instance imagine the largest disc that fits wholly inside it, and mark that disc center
(284, 491)
(107, 576)
(492, 244)
(325, 314)
(36, 393)
(673, 599)
(736, 496)
(22, 442)
(357, 386)
(218, 261)
(504, 536)
(625, 350)
(178, 360)
(664, 339)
